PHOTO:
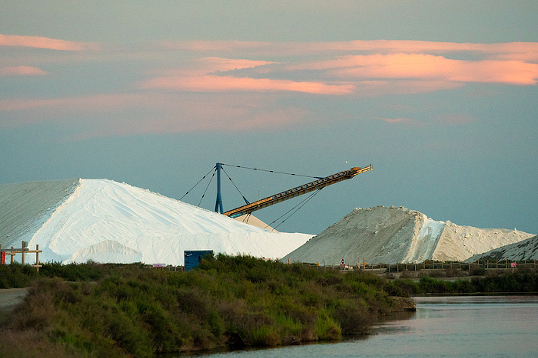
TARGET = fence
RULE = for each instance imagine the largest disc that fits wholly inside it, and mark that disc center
(432, 266)
(24, 250)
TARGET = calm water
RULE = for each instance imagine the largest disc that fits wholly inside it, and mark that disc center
(485, 326)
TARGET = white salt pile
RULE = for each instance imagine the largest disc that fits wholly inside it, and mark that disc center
(526, 250)
(394, 235)
(106, 221)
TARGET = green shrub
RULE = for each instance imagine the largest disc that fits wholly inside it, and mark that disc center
(427, 284)
(127, 310)
(401, 287)
(353, 317)
(327, 329)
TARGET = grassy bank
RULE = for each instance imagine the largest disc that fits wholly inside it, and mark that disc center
(96, 310)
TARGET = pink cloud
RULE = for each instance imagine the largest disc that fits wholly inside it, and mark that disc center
(213, 45)
(116, 114)
(400, 120)
(229, 64)
(405, 46)
(46, 43)
(21, 71)
(210, 118)
(429, 67)
(450, 119)
(93, 102)
(209, 83)
(510, 63)
(224, 89)
(207, 65)
(523, 49)
(520, 51)
(198, 78)
(383, 67)
(509, 72)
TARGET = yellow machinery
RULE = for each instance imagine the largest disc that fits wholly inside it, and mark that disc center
(300, 190)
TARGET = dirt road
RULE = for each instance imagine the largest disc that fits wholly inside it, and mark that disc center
(11, 297)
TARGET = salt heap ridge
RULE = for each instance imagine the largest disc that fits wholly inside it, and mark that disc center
(398, 235)
(106, 221)
(526, 250)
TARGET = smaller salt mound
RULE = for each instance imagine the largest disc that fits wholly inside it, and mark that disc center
(458, 243)
(519, 251)
(375, 235)
(252, 220)
(398, 235)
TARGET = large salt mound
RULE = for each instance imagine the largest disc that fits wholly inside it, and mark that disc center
(393, 235)
(25, 207)
(106, 221)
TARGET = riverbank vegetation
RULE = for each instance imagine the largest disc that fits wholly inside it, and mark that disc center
(494, 283)
(94, 310)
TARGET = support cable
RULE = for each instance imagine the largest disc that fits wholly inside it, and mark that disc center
(272, 171)
(293, 210)
(210, 180)
(198, 183)
(245, 199)
(246, 218)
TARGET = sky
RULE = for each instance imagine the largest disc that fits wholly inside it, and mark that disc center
(439, 96)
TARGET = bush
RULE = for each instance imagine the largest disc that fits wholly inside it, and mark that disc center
(477, 271)
(427, 284)
(327, 329)
(126, 310)
(353, 318)
(16, 275)
(401, 288)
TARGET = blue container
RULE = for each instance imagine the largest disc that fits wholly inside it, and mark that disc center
(194, 257)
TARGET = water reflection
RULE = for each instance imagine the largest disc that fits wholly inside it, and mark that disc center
(463, 326)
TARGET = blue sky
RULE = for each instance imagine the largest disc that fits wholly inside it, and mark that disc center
(440, 97)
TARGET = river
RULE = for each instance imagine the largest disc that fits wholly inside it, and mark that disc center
(455, 326)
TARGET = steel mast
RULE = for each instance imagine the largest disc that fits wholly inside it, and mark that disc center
(218, 203)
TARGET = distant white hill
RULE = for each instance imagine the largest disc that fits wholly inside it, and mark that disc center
(105, 221)
(252, 220)
(519, 251)
(398, 235)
